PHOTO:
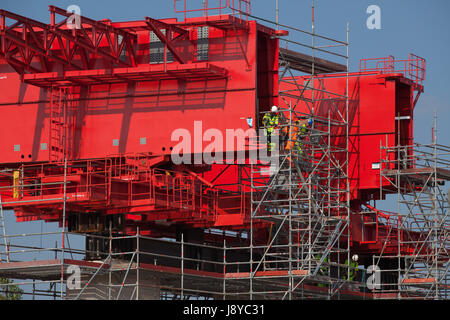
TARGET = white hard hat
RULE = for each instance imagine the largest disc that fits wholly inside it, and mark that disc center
(274, 109)
(355, 257)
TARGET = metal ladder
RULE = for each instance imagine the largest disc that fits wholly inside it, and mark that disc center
(3, 230)
(58, 140)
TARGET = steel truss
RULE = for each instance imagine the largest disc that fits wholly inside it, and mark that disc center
(27, 38)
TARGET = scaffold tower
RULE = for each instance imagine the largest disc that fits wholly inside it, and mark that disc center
(417, 267)
(301, 191)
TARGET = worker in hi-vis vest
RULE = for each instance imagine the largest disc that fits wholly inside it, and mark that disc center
(297, 133)
(323, 271)
(353, 263)
(271, 121)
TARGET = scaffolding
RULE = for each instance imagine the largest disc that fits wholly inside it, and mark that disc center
(108, 273)
(147, 268)
(298, 243)
(3, 231)
(417, 265)
(302, 189)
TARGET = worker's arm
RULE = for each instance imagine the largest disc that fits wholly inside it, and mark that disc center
(265, 119)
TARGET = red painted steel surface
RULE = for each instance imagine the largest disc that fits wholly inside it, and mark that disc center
(376, 100)
(121, 110)
(101, 107)
(146, 102)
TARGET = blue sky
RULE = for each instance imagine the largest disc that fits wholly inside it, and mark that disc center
(417, 26)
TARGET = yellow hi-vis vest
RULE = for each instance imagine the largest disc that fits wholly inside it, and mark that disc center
(16, 182)
(270, 121)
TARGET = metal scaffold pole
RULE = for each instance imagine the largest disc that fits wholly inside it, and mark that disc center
(418, 174)
(3, 231)
(301, 199)
(63, 228)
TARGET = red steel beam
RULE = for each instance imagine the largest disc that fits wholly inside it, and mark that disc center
(155, 26)
(129, 39)
(163, 25)
(35, 48)
(99, 25)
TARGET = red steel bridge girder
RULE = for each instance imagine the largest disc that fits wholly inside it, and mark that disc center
(79, 49)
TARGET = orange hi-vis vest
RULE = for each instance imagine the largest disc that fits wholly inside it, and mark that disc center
(290, 144)
(294, 135)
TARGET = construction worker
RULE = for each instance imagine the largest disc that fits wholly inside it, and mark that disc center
(304, 125)
(323, 271)
(292, 137)
(271, 121)
(297, 133)
(353, 268)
